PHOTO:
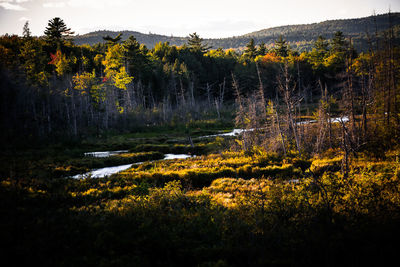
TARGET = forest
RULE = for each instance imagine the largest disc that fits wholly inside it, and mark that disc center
(299, 37)
(266, 156)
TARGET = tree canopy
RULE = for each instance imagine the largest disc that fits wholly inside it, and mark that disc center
(112, 40)
(281, 48)
(196, 43)
(56, 30)
(251, 50)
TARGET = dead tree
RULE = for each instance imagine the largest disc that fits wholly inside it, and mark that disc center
(287, 90)
(324, 121)
(240, 119)
(220, 99)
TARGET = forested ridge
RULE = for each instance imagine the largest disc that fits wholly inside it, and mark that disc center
(53, 87)
(268, 156)
(299, 37)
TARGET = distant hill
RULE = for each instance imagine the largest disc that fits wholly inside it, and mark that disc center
(150, 40)
(299, 37)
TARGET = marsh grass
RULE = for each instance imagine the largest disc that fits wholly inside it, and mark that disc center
(209, 209)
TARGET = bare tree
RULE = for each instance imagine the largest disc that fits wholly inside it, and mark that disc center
(287, 90)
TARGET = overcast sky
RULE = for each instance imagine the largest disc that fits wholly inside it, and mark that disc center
(209, 18)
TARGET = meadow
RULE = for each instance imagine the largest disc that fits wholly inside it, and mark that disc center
(224, 207)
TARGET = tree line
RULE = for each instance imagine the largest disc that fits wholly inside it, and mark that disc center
(54, 88)
(299, 37)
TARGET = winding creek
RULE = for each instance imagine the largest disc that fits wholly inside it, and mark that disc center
(107, 171)
(104, 154)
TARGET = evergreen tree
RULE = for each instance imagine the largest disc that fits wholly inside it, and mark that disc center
(250, 52)
(262, 49)
(321, 44)
(131, 44)
(196, 43)
(57, 31)
(339, 43)
(135, 60)
(281, 48)
(112, 41)
(338, 53)
(34, 62)
(320, 50)
(26, 32)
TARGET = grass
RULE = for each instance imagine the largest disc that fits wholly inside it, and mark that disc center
(218, 209)
(201, 171)
(65, 159)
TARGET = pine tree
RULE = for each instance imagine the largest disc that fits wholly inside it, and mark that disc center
(339, 43)
(281, 48)
(250, 52)
(135, 58)
(320, 51)
(112, 41)
(57, 31)
(26, 32)
(262, 49)
(196, 43)
(321, 44)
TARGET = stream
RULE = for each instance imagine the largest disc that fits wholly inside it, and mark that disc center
(236, 132)
(104, 154)
(107, 171)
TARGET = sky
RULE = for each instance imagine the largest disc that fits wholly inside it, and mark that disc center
(209, 18)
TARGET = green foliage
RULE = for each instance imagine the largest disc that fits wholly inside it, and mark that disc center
(56, 31)
(34, 60)
(281, 48)
(252, 207)
(196, 45)
(112, 41)
(250, 52)
(319, 52)
(299, 37)
(262, 49)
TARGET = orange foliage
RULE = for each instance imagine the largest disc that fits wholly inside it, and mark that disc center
(270, 57)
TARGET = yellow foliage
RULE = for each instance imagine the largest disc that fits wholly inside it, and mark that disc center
(122, 78)
(270, 57)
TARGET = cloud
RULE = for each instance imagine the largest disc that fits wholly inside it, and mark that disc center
(24, 19)
(97, 4)
(7, 5)
(54, 4)
(15, 1)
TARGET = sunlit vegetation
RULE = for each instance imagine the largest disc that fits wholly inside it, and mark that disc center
(201, 171)
(312, 178)
(75, 166)
(340, 218)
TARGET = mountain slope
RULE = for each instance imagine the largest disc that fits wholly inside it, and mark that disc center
(299, 37)
(148, 39)
(328, 28)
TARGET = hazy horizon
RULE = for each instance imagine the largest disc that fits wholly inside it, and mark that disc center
(210, 19)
